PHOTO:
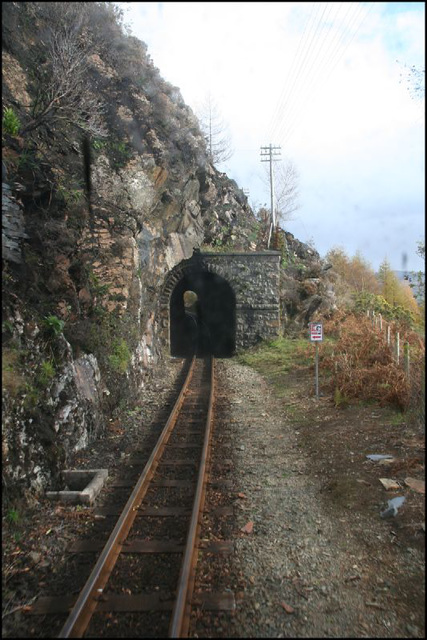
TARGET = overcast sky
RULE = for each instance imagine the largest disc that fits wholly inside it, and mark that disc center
(328, 83)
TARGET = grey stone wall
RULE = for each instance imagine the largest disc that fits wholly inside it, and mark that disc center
(253, 325)
(255, 280)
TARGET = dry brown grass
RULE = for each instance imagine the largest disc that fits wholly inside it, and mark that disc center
(12, 379)
(363, 366)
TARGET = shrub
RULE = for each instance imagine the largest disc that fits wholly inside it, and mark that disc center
(69, 195)
(13, 516)
(47, 372)
(120, 358)
(96, 287)
(53, 325)
(11, 123)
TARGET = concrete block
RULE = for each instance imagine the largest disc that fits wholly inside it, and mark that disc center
(83, 486)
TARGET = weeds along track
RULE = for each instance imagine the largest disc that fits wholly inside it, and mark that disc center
(144, 574)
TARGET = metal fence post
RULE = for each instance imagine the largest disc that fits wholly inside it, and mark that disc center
(397, 347)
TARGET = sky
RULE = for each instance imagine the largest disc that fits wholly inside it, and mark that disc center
(328, 83)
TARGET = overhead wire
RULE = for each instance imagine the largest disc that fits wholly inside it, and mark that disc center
(297, 70)
(331, 51)
(326, 54)
(276, 113)
(316, 59)
(331, 63)
(303, 63)
(295, 67)
(291, 70)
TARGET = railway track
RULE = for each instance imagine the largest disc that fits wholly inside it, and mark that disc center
(144, 575)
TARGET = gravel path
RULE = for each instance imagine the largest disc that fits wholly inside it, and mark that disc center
(299, 572)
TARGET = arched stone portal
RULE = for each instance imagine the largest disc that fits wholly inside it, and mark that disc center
(210, 326)
(238, 292)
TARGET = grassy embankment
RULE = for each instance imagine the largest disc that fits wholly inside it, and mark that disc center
(356, 365)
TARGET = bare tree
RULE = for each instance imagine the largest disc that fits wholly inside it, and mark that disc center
(215, 131)
(286, 178)
(286, 194)
(63, 90)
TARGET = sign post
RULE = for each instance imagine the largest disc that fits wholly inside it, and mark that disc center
(316, 336)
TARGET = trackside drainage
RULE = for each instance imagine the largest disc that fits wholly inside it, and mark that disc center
(80, 486)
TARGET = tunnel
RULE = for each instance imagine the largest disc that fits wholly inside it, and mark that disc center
(202, 316)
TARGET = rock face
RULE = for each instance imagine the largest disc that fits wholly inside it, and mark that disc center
(13, 226)
(86, 252)
(305, 288)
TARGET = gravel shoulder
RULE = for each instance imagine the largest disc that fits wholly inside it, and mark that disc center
(318, 560)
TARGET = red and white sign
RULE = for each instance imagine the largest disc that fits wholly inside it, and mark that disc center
(316, 331)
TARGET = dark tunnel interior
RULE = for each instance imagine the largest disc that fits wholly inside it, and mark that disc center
(208, 325)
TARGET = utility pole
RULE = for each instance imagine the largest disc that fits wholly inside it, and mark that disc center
(269, 154)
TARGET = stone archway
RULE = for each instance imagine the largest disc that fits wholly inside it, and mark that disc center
(243, 293)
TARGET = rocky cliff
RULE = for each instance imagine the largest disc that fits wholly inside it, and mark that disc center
(106, 187)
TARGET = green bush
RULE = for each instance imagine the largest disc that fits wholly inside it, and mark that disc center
(11, 123)
(70, 196)
(121, 153)
(99, 143)
(365, 301)
(31, 398)
(47, 372)
(12, 516)
(120, 358)
(27, 160)
(53, 325)
(96, 287)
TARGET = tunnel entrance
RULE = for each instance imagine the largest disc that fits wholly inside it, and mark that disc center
(202, 316)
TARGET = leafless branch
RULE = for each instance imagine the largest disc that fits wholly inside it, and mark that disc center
(63, 91)
(285, 188)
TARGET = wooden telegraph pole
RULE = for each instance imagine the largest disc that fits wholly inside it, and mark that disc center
(268, 155)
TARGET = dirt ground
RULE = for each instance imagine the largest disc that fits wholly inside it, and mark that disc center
(312, 555)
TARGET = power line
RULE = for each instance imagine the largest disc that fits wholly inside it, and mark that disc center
(299, 68)
(317, 58)
(330, 64)
(322, 60)
(276, 114)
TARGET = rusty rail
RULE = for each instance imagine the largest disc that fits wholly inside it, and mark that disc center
(80, 615)
(181, 612)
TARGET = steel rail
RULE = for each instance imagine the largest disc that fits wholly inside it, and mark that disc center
(81, 613)
(180, 621)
